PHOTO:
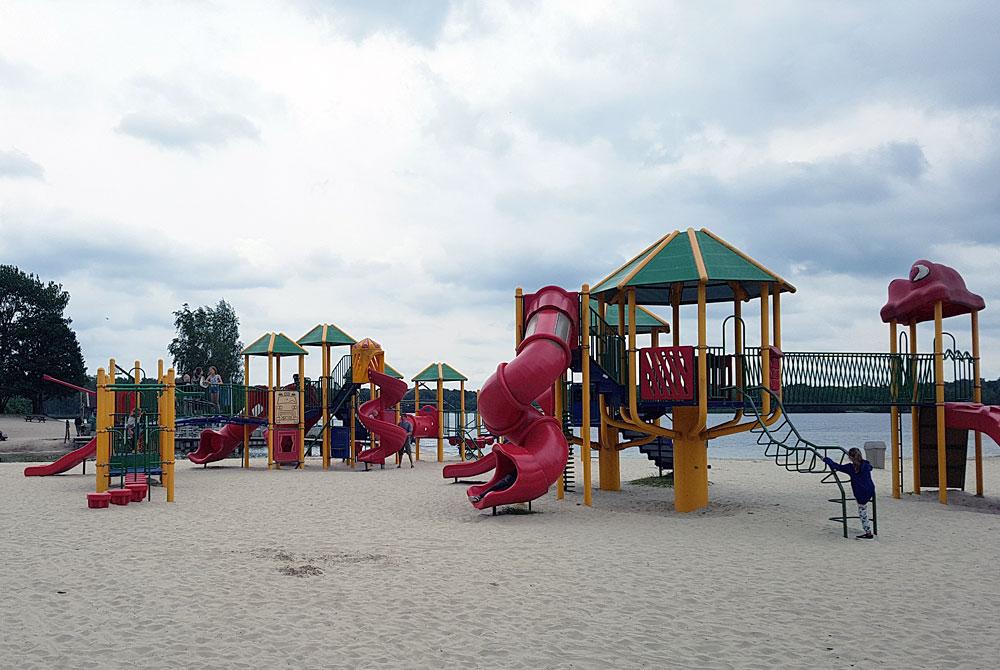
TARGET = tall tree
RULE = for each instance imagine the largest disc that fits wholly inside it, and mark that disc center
(208, 336)
(35, 339)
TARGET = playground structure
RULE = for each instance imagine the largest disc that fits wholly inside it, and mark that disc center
(75, 457)
(439, 374)
(627, 393)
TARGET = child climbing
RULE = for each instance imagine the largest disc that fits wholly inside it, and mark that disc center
(860, 472)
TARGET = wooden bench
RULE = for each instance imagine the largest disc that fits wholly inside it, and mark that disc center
(35, 417)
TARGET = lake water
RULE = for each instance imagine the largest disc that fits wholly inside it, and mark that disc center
(842, 429)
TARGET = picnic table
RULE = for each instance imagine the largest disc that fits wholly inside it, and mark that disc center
(35, 417)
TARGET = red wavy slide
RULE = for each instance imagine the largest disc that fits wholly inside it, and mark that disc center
(65, 462)
(973, 416)
(380, 421)
(216, 445)
(536, 449)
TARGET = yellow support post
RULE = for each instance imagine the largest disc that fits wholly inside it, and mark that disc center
(167, 459)
(103, 434)
(977, 396)
(675, 308)
(914, 414)
(325, 384)
(557, 405)
(461, 447)
(302, 411)
(246, 411)
(585, 427)
(440, 408)
(691, 450)
(416, 409)
(894, 419)
(942, 459)
(518, 316)
(608, 457)
(270, 408)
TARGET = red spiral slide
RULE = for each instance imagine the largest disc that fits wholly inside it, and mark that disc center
(380, 421)
(536, 449)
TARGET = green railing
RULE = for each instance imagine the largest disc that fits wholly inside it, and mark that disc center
(607, 347)
(193, 400)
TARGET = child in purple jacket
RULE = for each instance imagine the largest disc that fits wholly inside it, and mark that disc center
(860, 472)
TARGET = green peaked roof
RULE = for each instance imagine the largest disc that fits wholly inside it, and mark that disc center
(681, 261)
(441, 371)
(277, 344)
(325, 333)
(391, 371)
(645, 322)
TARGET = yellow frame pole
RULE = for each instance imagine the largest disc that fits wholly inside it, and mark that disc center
(246, 411)
(302, 411)
(416, 409)
(440, 408)
(675, 309)
(325, 384)
(270, 410)
(103, 435)
(585, 427)
(977, 397)
(167, 459)
(914, 412)
(942, 459)
(894, 418)
(461, 446)
(518, 316)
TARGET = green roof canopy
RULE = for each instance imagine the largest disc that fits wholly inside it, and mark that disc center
(645, 322)
(441, 371)
(391, 371)
(325, 333)
(684, 260)
(276, 344)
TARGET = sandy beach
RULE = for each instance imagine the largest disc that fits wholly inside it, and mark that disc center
(392, 568)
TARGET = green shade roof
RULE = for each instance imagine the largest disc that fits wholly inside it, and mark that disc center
(277, 344)
(682, 260)
(645, 321)
(391, 371)
(325, 333)
(441, 371)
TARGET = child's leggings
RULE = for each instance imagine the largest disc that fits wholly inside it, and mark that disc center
(863, 516)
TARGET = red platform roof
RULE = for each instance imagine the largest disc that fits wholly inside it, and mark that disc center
(912, 300)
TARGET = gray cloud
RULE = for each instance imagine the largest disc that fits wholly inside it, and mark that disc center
(420, 21)
(16, 164)
(212, 130)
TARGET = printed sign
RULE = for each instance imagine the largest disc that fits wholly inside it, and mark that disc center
(286, 407)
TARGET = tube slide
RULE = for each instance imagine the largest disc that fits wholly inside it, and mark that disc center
(973, 416)
(215, 445)
(63, 463)
(380, 421)
(536, 450)
(470, 468)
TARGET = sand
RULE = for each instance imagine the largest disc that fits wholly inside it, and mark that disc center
(393, 568)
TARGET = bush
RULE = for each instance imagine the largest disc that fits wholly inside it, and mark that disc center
(18, 405)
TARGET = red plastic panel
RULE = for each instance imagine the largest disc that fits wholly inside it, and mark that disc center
(775, 372)
(912, 300)
(666, 373)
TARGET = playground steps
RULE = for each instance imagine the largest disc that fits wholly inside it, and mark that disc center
(788, 449)
(661, 452)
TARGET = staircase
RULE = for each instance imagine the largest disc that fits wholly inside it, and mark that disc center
(788, 449)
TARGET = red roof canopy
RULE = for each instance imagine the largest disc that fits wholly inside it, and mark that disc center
(912, 300)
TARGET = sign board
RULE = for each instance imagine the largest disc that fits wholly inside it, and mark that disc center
(286, 407)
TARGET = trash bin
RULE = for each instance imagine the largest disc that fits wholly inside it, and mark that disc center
(875, 453)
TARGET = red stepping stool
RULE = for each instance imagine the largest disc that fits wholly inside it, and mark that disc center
(98, 500)
(120, 496)
(138, 489)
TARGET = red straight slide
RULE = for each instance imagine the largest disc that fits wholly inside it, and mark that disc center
(973, 416)
(63, 463)
(380, 421)
(535, 451)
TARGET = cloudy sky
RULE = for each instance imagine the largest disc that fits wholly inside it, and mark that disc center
(399, 168)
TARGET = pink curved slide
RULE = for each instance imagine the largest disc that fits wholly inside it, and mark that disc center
(215, 445)
(973, 416)
(470, 468)
(380, 421)
(63, 463)
(536, 449)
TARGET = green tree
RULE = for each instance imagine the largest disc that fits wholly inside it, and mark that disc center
(208, 336)
(35, 339)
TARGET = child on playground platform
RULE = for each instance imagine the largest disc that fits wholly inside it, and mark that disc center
(214, 385)
(860, 472)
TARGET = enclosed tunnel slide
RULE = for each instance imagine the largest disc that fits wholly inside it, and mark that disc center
(535, 450)
(379, 419)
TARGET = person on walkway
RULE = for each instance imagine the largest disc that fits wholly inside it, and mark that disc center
(214, 386)
(407, 447)
(860, 472)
